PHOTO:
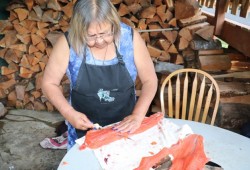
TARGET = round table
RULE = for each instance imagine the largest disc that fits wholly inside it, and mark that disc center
(228, 149)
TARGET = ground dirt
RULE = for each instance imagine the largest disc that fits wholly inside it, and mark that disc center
(21, 131)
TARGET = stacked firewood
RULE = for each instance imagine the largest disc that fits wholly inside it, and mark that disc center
(29, 34)
(34, 25)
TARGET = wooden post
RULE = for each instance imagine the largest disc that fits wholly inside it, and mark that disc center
(211, 5)
(245, 7)
(219, 16)
(235, 5)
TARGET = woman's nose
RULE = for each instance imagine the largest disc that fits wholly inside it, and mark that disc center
(99, 39)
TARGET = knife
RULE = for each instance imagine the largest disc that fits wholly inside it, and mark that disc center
(97, 126)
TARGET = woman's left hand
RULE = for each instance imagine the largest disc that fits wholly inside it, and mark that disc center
(129, 124)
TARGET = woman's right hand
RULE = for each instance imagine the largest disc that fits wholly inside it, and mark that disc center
(80, 121)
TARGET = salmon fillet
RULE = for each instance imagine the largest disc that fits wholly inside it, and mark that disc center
(97, 138)
(188, 154)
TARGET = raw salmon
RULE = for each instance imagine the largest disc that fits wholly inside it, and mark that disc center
(97, 138)
(188, 154)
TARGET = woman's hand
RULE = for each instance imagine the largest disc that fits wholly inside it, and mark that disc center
(129, 124)
(80, 121)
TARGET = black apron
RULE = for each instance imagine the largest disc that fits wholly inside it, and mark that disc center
(104, 93)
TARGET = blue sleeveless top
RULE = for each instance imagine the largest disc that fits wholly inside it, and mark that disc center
(125, 48)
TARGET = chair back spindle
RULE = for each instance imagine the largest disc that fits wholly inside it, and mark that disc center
(192, 94)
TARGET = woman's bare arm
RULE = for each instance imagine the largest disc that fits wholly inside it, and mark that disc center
(53, 74)
(147, 75)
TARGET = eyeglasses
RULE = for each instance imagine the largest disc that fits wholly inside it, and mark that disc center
(93, 38)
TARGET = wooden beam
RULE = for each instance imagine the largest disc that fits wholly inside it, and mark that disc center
(239, 41)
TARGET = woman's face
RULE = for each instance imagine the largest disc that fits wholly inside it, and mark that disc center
(99, 35)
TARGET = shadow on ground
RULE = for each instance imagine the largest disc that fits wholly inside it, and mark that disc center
(20, 134)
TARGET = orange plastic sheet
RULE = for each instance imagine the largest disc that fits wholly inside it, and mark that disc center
(97, 138)
(188, 154)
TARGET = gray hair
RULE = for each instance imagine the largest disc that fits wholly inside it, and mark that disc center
(85, 12)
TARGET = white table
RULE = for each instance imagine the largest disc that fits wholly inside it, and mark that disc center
(226, 148)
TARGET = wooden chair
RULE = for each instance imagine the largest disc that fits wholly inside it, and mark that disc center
(192, 90)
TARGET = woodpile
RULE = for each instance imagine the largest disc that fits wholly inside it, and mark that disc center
(29, 34)
(175, 32)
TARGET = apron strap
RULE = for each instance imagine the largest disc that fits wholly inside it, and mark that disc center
(66, 34)
(119, 56)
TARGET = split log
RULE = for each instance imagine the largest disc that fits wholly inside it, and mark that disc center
(185, 33)
(155, 20)
(192, 20)
(214, 63)
(169, 15)
(142, 24)
(3, 111)
(206, 32)
(39, 106)
(134, 8)
(161, 12)
(123, 10)
(169, 3)
(165, 56)
(199, 44)
(128, 22)
(211, 52)
(163, 44)
(29, 4)
(155, 33)
(53, 4)
(11, 102)
(10, 56)
(172, 49)
(157, 2)
(128, 2)
(195, 27)
(148, 12)
(153, 51)
(8, 39)
(134, 19)
(22, 13)
(6, 71)
(53, 37)
(20, 91)
(185, 8)
(170, 35)
(145, 3)
(183, 44)
(145, 37)
(166, 67)
(179, 60)
(173, 22)
(35, 39)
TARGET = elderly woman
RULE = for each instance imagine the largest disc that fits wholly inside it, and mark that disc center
(102, 58)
